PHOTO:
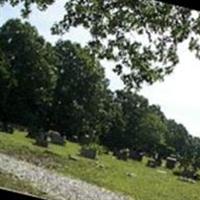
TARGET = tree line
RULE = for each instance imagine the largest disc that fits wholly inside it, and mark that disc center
(63, 87)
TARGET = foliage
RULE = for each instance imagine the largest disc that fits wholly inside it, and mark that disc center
(142, 36)
(136, 126)
(177, 136)
(95, 147)
(31, 73)
(151, 133)
(63, 88)
(80, 92)
(42, 4)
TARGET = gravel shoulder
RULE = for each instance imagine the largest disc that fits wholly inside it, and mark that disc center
(56, 187)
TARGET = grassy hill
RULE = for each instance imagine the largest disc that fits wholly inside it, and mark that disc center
(131, 177)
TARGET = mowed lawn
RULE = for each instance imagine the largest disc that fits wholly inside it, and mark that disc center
(143, 184)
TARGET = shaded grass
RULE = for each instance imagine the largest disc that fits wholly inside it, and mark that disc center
(145, 184)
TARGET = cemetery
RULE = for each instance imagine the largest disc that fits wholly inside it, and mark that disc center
(64, 121)
(79, 158)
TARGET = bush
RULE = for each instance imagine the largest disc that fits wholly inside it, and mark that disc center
(92, 150)
(98, 148)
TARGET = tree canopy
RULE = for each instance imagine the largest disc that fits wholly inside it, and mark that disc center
(142, 36)
(29, 69)
(80, 90)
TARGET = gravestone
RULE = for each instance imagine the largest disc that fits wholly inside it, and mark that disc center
(158, 159)
(123, 154)
(41, 139)
(171, 162)
(136, 155)
(56, 138)
(88, 153)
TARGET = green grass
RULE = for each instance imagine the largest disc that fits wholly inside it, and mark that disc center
(8, 181)
(148, 184)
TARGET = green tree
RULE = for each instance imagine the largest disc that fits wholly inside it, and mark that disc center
(189, 160)
(115, 26)
(151, 133)
(31, 72)
(115, 137)
(128, 109)
(41, 4)
(6, 82)
(79, 95)
(177, 137)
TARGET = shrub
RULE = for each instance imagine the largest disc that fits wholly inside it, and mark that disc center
(92, 150)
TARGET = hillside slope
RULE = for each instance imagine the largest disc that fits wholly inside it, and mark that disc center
(128, 178)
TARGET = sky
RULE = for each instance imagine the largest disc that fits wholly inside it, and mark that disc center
(178, 96)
